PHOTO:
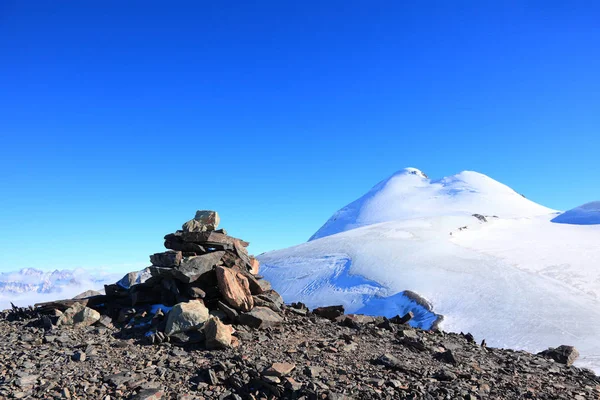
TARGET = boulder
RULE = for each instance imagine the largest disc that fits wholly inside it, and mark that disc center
(562, 354)
(273, 297)
(67, 318)
(192, 268)
(234, 288)
(86, 317)
(186, 317)
(217, 334)
(204, 220)
(166, 259)
(260, 317)
(208, 218)
(329, 312)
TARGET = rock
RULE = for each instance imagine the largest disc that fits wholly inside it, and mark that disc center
(254, 266)
(192, 268)
(176, 243)
(355, 320)
(562, 354)
(265, 285)
(67, 317)
(402, 320)
(260, 317)
(208, 218)
(78, 356)
(87, 293)
(166, 259)
(186, 316)
(207, 239)
(217, 334)
(231, 313)
(446, 356)
(129, 280)
(280, 369)
(149, 394)
(313, 371)
(86, 317)
(235, 289)
(253, 283)
(194, 226)
(196, 292)
(329, 312)
(444, 375)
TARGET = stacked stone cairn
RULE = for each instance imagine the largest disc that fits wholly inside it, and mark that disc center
(191, 293)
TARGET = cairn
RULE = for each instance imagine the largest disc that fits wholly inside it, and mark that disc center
(204, 281)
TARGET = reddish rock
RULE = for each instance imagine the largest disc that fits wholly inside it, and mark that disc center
(254, 266)
(235, 289)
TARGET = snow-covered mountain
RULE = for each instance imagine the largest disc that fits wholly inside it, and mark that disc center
(490, 261)
(29, 285)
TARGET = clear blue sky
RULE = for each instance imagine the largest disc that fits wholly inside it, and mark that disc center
(120, 118)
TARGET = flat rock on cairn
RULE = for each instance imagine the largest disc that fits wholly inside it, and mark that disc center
(204, 281)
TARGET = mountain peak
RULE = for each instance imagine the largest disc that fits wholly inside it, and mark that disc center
(409, 193)
(412, 171)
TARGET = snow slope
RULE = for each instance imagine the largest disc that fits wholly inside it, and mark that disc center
(587, 214)
(518, 280)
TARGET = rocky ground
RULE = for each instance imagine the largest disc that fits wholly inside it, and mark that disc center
(305, 357)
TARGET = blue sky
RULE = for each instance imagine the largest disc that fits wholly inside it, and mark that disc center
(120, 119)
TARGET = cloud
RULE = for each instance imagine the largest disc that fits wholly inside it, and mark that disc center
(29, 286)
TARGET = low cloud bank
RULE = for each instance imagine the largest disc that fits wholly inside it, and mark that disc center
(29, 286)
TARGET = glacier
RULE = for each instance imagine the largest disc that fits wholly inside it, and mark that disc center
(487, 259)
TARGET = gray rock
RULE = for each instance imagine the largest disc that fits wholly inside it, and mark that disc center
(192, 268)
(86, 317)
(562, 354)
(186, 316)
(166, 259)
(260, 317)
(329, 312)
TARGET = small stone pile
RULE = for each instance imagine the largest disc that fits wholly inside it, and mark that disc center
(204, 281)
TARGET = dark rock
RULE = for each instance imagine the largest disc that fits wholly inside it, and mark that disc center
(330, 312)
(231, 313)
(78, 356)
(402, 319)
(166, 259)
(193, 268)
(444, 375)
(562, 354)
(446, 356)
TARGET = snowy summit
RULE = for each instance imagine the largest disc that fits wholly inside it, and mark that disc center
(409, 193)
(487, 259)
